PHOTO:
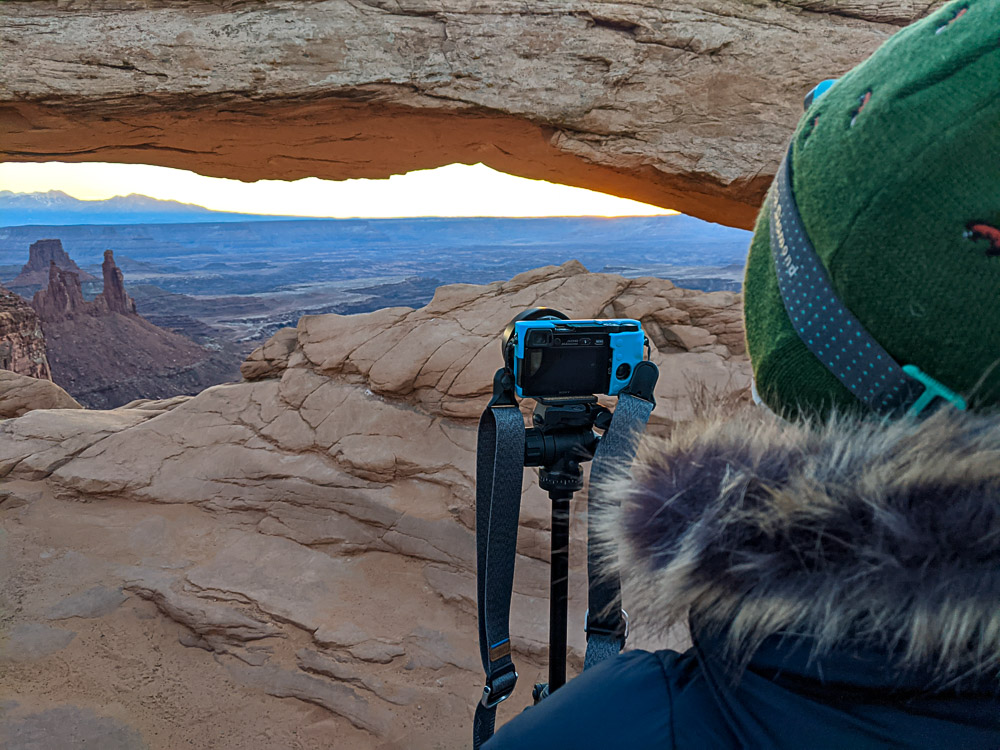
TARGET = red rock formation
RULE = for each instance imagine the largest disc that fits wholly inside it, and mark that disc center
(114, 297)
(63, 297)
(686, 104)
(22, 344)
(105, 354)
(41, 255)
(313, 529)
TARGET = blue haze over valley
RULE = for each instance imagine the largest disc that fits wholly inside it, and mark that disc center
(239, 277)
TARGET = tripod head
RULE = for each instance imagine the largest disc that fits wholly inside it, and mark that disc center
(563, 437)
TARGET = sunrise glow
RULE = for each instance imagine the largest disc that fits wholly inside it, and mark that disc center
(453, 190)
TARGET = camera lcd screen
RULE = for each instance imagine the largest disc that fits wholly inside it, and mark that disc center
(566, 370)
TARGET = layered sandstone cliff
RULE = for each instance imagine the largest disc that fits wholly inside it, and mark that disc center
(686, 104)
(308, 532)
(22, 343)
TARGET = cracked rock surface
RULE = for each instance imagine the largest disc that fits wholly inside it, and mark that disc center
(19, 394)
(289, 561)
(686, 104)
(22, 345)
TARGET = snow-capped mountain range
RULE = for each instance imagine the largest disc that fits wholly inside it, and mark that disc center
(57, 208)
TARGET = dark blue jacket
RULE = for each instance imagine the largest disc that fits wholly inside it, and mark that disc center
(686, 701)
(877, 545)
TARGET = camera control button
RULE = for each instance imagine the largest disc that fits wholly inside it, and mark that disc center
(623, 371)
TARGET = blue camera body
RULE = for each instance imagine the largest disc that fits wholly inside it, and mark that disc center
(573, 358)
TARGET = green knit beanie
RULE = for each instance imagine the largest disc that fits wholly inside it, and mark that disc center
(896, 173)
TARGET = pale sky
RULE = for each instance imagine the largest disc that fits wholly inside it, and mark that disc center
(454, 190)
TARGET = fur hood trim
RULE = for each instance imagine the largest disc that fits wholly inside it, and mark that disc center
(856, 534)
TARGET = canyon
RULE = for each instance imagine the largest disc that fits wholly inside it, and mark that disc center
(305, 533)
(228, 286)
(102, 351)
(250, 278)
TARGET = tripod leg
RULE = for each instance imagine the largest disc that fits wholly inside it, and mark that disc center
(559, 588)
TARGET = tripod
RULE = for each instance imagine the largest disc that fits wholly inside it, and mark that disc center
(563, 437)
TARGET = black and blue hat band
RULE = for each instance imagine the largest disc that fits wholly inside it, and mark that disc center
(824, 324)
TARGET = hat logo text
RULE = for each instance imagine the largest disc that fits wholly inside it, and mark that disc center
(783, 253)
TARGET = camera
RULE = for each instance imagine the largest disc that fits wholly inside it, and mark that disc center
(564, 365)
(553, 357)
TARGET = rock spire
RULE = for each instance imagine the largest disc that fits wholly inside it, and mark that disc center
(105, 354)
(63, 297)
(114, 297)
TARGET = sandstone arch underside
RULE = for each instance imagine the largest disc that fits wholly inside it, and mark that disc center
(683, 104)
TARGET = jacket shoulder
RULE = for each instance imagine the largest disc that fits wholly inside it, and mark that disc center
(622, 702)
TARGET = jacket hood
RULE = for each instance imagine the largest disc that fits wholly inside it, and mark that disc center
(856, 535)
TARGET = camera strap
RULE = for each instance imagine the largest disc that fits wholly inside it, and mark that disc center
(607, 622)
(499, 475)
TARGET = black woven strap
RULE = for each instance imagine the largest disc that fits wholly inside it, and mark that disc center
(499, 470)
(822, 321)
(607, 622)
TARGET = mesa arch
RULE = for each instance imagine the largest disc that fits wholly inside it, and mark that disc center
(685, 107)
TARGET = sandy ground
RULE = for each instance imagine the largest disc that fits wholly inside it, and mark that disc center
(85, 664)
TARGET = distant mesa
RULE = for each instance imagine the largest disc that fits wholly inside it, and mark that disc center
(41, 255)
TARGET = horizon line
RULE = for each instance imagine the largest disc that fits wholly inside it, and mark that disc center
(293, 217)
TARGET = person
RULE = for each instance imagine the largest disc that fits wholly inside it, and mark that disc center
(837, 562)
